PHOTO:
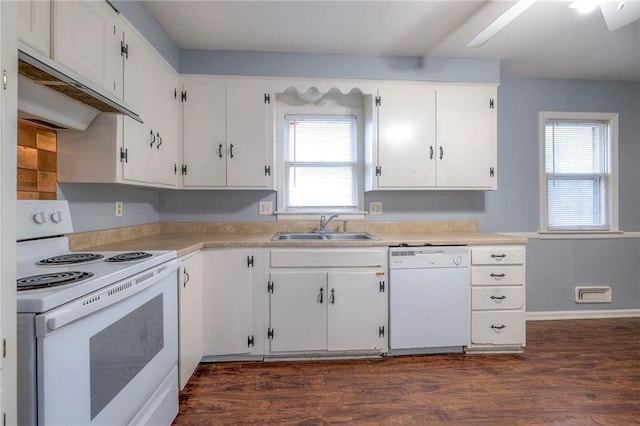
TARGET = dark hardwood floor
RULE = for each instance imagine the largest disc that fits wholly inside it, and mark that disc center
(574, 372)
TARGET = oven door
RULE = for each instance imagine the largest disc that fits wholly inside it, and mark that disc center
(101, 361)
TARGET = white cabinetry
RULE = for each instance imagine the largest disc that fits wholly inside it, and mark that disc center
(34, 25)
(87, 37)
(117, 149)
(190, 316)
(151, 148)
(497, 299)
(227, 133)
(434, 137)
(325, 307)
(406, 137)
(233, 313)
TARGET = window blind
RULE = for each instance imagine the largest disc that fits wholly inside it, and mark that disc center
(577, 168)
(320, 162)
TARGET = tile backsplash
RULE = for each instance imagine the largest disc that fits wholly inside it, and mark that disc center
(37, 162)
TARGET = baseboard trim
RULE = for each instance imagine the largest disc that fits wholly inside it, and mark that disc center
(590, 314)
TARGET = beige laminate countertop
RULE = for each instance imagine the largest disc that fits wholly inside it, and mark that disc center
(185, 243)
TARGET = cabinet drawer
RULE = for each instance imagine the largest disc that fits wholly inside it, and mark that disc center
(497, 328)
(497, 275)
(491, 298)
(493, 255)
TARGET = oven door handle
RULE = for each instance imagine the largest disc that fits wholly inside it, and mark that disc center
(103, 298)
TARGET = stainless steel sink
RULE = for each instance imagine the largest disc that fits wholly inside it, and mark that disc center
(315, 236)
(280, 236)
(351, 236)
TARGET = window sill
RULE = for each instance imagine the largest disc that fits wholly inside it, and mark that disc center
(315, 216)
(577, 235)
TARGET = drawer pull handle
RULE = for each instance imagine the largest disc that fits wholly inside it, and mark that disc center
(498, 298)
(497, 276)
(498, 327)
(498, 256)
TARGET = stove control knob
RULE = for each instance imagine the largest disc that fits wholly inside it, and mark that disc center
(38, 218)
(55, 217)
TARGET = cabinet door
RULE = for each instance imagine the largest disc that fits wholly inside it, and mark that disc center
(355, 311)
(34, 25)
(204, 133)
(227, 301)
(248, 136)
(298, 311)
(190, 316)
(140, 139)
(466, 128)
(406, 137)
(87, 40)
(166, 114)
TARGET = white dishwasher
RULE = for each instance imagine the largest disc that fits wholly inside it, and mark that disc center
(429, 299)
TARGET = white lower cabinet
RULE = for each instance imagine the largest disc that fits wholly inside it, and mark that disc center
(298, 305)
(355, 320)
(322, 307)
(232, 307)
(190, 315)
(497, 328)
(497, 299)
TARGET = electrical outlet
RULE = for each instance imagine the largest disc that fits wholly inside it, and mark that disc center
(375, 207)
(265, 207)
(119, 207)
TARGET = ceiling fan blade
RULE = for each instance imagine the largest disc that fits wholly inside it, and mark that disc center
(503, 20)
(618, 18)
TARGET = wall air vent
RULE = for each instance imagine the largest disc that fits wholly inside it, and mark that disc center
(593, 294)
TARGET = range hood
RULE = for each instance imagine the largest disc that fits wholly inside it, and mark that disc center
(52, 95)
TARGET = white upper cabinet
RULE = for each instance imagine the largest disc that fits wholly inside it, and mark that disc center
(87, 38)
(406, 137)
(34, 25)
(118, 149)
(204, 133)
(227, 134)
(466, 136)
(151, 147)
(434, 137)
(248, 135)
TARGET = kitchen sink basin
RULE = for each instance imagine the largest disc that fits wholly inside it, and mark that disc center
(315, 236)
(351, 236)
(280, 236)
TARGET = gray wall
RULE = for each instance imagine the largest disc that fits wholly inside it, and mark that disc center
(339, 66)
(92, 206)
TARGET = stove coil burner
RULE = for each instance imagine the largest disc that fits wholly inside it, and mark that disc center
(69, 259)
(128, 257)
(52, 280)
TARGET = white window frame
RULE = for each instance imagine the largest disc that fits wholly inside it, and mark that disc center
(319, 110)
(613, 211)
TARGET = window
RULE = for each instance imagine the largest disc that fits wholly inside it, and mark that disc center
(320, 163)
(579, 188)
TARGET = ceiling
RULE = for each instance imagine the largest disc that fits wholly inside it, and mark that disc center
(549, 40)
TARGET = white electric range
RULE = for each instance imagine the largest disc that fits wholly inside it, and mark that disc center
(97, 331)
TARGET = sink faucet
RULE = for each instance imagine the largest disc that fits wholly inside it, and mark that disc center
(324, 223)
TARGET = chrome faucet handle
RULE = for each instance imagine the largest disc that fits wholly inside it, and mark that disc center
(344, 226)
